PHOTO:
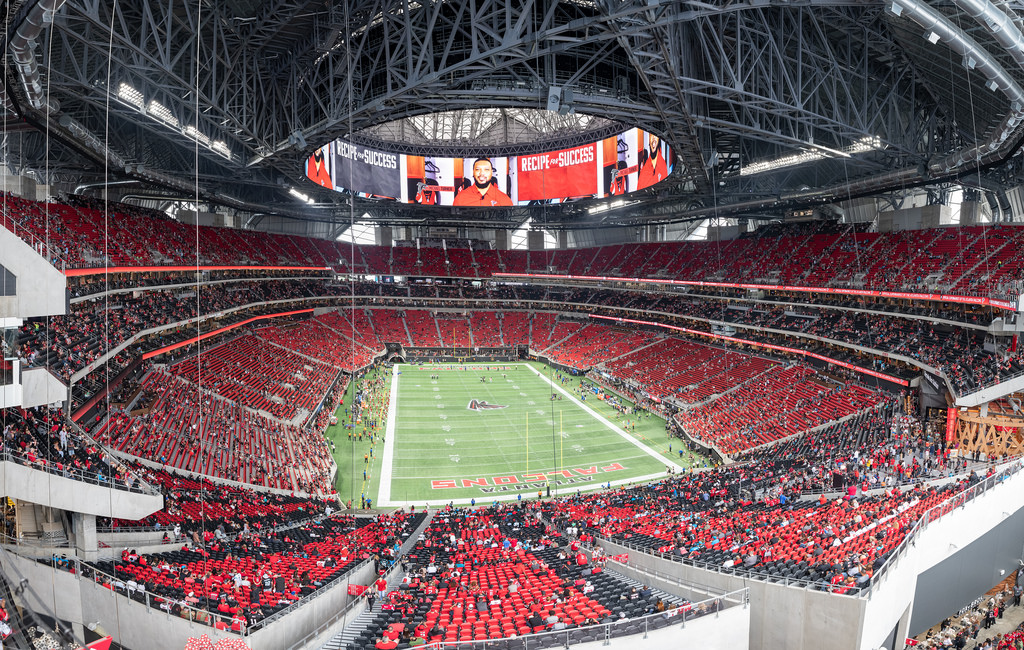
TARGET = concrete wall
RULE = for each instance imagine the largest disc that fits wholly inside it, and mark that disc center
(207, 218)
(723, 233)
(971, 212)
(980, 520)
(149, 627)
(23, 186)
(42, 289)
(139, 626)
(48, 591)
(11, 394)
(780, 616)
(601, 237)
(39, 387)
(138, 540)
(859, 210)
(307, 620)
(797, 618)
(727, 630)
(35, 486)
(918, 218)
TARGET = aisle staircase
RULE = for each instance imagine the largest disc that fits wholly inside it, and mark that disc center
(408, 334)
(354, 631)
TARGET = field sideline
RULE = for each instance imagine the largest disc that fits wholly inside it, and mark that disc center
(452, 437)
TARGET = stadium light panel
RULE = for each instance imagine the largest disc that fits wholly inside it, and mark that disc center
(162, 113)
(197, 135)
(222, 148)
(131, 95)
(300, 196)
(868, 143)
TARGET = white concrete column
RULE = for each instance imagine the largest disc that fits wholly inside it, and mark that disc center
(86, 542)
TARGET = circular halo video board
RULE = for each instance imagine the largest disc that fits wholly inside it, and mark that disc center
(629, 161)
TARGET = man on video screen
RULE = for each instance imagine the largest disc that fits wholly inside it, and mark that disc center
(484, 190)
(318, 170)
(652, 167)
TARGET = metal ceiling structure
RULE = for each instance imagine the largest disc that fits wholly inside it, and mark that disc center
(224, 99)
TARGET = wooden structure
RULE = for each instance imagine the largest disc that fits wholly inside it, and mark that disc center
(990, 431)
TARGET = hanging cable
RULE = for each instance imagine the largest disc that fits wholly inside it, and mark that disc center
(49, 256)
(6, 153)
(106, 250)
(200, 402)
(351, 255)
(986, 287)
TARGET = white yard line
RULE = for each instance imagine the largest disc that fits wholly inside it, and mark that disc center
(384, 486)
(608, 423)
(484, 499)
(384, 494)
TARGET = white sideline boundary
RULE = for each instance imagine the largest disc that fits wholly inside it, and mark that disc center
(387, 462)
(384, 492)
(608, 423)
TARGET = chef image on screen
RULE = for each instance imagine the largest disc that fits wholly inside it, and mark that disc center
(484, 190)
(652, 166)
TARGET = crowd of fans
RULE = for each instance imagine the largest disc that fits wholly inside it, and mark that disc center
(689, 372)
(261, 375)
(971, 625)
(193, 429)
(70, 344)
(41, 439)
(778, 403)
(251, 553)
(235, 580)
(501, 572)
(981, 259)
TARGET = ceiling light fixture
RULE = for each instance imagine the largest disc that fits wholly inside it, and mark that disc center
(300, 196)
(130, 95)
(818, 152)
(162, 113)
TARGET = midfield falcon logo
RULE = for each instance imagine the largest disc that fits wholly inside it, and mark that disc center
(480, 405)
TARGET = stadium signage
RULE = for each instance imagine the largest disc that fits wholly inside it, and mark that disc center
(758, 344)
(481, 405)
(904, 295)
(513, 482)
(226, 328)
(72, 273)
(625, 162)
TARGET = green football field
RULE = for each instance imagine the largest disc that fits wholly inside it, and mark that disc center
(455, 438)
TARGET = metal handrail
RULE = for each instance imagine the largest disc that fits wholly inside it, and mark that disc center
(645, 624)
(145, 486)
(355, 603)
(980, 387)
(77, 566)
(75, 474)
(957, 500)
(320, 591)
(41, 247)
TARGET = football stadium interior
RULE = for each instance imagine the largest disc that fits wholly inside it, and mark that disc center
(511, 324)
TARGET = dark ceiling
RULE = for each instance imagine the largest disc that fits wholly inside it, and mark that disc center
(728, 85)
